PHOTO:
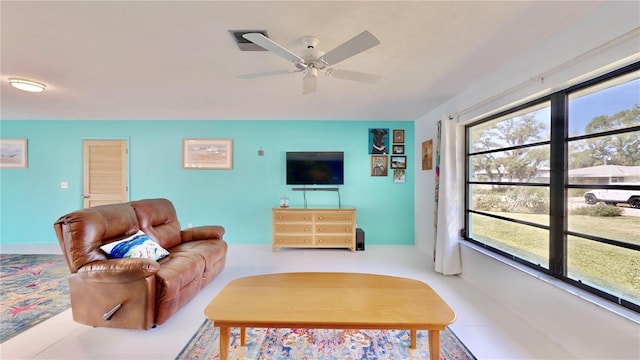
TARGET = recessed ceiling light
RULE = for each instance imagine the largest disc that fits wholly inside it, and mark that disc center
(27, 85)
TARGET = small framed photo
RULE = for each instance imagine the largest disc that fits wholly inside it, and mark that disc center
(398, 176)
(398, 136)
(379, 166)
(397, 149)
(207, 153)
(398, 162)
(13, 153)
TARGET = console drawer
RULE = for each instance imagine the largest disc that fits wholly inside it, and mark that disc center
(292, 228)
(292, 216)
(283, 240)
(334, 216)
(338, 241)
(335, 229)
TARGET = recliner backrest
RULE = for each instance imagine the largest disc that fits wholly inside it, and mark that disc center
(82, 232)
(158, 219)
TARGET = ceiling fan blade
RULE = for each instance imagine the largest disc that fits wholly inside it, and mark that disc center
(361, 42)
(266, 73)
(310, 81)
(272, 46)
(353, 75)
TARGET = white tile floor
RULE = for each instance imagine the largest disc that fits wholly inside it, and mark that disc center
(488, 330)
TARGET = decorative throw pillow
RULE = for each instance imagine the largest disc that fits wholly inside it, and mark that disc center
(138, 245)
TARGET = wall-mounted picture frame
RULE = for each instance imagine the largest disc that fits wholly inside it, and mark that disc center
(378, 141)
(398, 162)
(398, 136)
(379, 165)
(13, 153)
(397, 149)
(207, 153)
(427, 154)
(399, 176)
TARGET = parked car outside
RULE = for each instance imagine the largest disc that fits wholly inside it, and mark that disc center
(613, 197)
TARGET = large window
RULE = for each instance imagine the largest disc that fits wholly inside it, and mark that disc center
(555, 184)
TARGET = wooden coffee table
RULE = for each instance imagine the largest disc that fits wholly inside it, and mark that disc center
(318, 300)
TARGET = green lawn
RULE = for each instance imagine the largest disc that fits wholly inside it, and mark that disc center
(611, 268)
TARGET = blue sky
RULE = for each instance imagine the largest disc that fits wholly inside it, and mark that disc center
(605, 102)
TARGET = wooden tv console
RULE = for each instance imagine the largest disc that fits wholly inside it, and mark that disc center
(314, 228)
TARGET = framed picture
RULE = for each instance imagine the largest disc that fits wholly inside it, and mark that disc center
(427, 155)
(398, 176)
(398, 136)
(378, 141)
(378, 166)
(207, 153)
(398, 162)
(13, 153)
(397, 149)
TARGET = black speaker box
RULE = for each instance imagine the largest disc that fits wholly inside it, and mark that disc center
(359, 239)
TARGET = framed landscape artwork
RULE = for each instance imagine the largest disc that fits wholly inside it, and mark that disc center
(207, 153)
(398, 162)
(13, 153)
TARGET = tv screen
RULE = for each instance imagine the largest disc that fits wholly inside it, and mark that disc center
(315, 168)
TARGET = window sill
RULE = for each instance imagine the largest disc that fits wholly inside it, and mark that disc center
(585, 295)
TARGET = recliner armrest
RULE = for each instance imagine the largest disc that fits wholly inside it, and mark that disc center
(118, 270)
(209, 232)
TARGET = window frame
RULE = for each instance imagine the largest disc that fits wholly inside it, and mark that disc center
(558, 185)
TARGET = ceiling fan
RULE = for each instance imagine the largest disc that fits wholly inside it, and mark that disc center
(311, 60)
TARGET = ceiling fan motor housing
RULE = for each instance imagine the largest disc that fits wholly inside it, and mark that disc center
(310, 42)
(310, 54)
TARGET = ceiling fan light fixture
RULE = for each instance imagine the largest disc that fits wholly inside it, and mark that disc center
(27, 85)
(310, 72)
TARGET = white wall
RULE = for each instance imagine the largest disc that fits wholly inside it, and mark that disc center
(598, 44)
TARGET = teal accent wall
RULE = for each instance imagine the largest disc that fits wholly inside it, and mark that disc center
(239, 199)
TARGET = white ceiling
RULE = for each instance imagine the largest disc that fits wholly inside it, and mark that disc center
(177, 60)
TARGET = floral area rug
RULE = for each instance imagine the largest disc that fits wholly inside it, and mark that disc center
(320, 344)
(33, 288)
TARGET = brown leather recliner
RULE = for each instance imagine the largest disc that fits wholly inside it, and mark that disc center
(136, 293)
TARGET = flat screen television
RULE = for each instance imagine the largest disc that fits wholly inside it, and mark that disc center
(315, 168)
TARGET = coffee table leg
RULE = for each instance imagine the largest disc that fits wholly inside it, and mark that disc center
(243, 336)
(224, 343)
(434, 344)
(414, 338)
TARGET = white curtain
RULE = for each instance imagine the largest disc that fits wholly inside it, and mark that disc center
(448, 223)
